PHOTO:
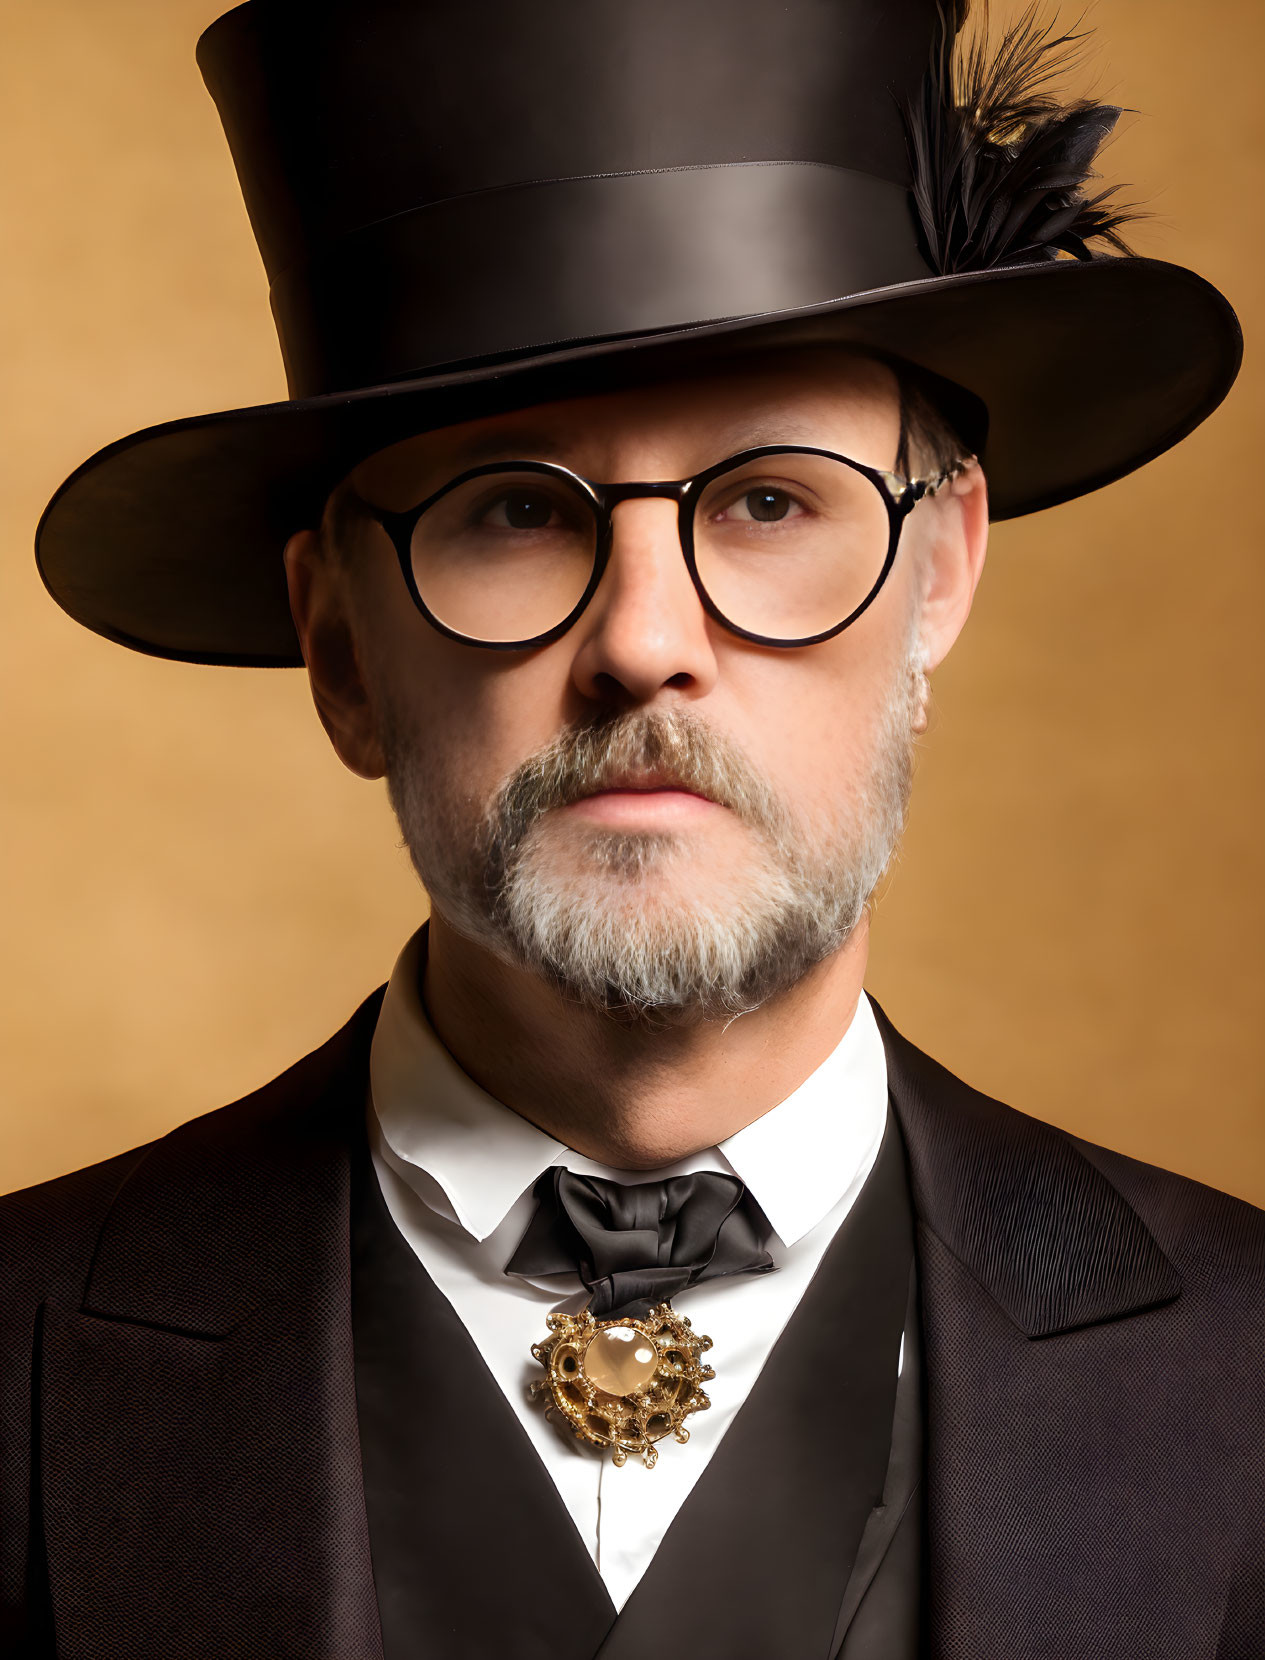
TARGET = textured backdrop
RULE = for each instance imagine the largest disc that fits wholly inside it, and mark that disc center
(197, 892)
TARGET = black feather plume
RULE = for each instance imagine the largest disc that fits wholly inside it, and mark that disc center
(1000, 162)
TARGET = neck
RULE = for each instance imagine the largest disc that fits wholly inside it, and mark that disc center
(631, 1097)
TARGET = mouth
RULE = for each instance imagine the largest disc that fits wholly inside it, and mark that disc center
(642, 801)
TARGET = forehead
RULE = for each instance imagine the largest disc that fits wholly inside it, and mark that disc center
(824, 396)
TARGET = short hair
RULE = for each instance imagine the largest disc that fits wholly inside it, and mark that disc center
(931, 439)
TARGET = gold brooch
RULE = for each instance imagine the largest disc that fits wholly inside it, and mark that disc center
(624, 1384)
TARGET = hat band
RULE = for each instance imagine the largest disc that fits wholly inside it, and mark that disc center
(538, 265)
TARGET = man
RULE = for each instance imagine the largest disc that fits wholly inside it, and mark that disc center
(621, 1277)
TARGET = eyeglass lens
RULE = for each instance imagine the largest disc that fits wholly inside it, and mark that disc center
(505, 556)
(789, 545)
(786, 546)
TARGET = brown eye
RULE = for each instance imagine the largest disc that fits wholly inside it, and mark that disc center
(762, 504)
(766, 506)
(523, 510)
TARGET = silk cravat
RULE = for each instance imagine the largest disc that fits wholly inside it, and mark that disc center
(640, 1244)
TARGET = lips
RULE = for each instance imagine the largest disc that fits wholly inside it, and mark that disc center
(654, 802)
(646, 786)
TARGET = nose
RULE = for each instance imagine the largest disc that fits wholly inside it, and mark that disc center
(645, 628)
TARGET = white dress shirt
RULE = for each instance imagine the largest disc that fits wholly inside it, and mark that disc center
(456, 1169)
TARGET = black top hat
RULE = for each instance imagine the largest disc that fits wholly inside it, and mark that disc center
(464, 208)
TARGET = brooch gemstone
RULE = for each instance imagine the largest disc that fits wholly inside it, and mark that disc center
(624, 1384)
(620, 1360)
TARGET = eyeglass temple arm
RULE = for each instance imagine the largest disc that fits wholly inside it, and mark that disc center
(907, 492)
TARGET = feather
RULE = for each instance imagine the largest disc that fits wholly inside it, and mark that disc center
(1000, 162)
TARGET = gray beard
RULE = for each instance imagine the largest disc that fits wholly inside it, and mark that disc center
(585, 922)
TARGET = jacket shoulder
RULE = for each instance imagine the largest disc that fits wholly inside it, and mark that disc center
(1197, 1226)
(47, 1237)
(1050, 1221)
(51, 1244)
(48, 1232)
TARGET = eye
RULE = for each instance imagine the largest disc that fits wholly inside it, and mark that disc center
(521, 509)
(762, 504)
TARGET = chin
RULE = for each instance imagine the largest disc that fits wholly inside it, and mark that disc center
(645, 872)
(656, 928)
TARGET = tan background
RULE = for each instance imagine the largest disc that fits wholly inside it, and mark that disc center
(197, 892)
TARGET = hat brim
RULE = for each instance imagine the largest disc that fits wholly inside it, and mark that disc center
(169, 541)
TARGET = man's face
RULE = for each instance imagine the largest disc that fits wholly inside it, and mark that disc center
(650, 810)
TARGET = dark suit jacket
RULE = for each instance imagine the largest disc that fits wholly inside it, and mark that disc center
(179, 1462)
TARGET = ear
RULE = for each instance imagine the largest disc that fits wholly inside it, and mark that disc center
(953, 542)
(319, 606)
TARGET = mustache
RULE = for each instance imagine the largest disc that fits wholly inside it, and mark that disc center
(674, 748)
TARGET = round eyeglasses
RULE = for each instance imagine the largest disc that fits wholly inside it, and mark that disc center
(786, 545)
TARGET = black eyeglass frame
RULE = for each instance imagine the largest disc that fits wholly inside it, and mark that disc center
(900, 497)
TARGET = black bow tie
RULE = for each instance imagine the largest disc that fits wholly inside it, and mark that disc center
(635, 1246)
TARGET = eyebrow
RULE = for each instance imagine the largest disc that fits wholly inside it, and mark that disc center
(526, 444)
(521, 445)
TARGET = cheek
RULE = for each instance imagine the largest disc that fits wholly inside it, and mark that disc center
(811, 720)
(467, 717)
(474, 715)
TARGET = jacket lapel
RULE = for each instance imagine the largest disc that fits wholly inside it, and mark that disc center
(1043, 1296)
(474, 1552)
(882, 1611)
(1049, 1238)
(198, 1449)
